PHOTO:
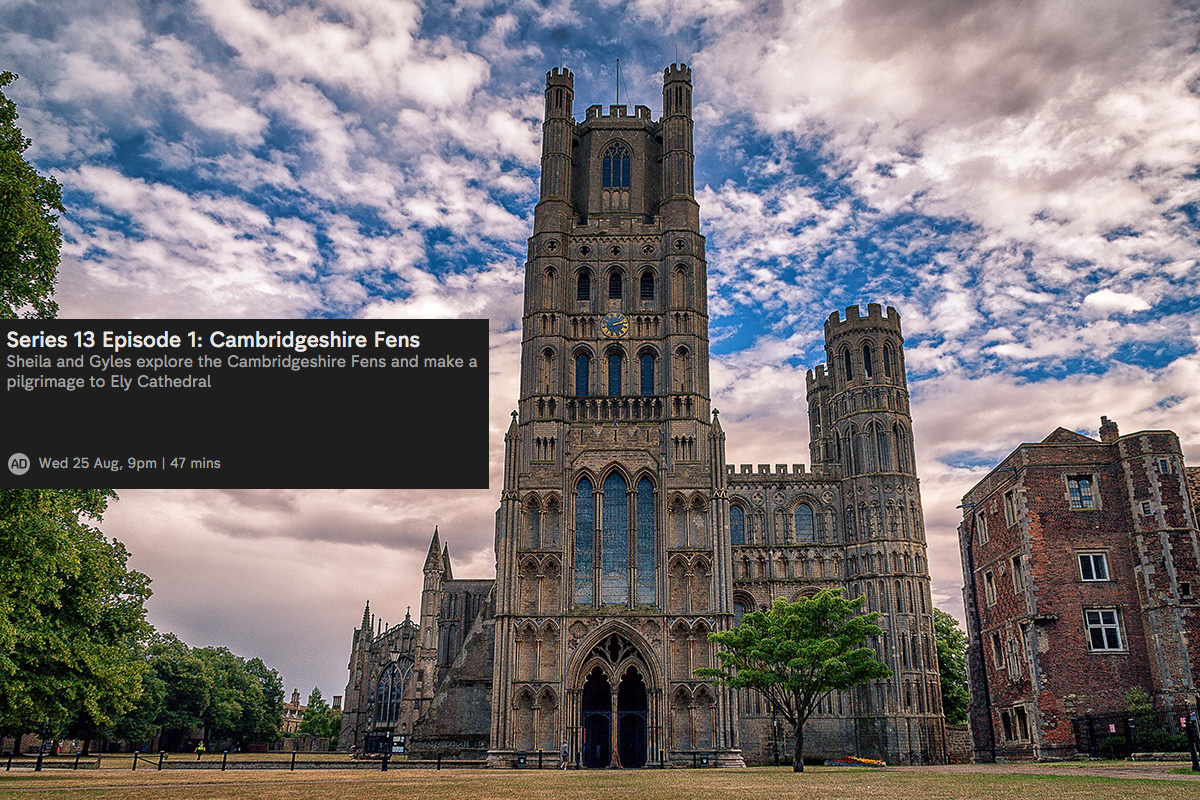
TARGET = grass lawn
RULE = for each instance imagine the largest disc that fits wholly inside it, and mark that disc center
(764, 782)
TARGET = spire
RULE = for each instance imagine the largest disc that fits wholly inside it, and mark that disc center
(448, 574)
(433, 561)
(716, 423)
(366, 623)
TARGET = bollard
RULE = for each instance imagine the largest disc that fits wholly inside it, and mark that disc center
(693, 760)
(8, 766)
(135, 755)
(38, 766)
(539, 758)
(162, 754)
(383, 763)
(224, 758)
(439, 766)
(662, 759)
(77, 756)
(293, 761)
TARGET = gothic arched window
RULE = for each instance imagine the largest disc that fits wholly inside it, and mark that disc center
(583, 288)
(887, 360)
(615, 285)
(583, 368)
(646, 290)
(737, 525)
(846, 365)
(804, 523)
(616, 363)
(614, 541)
(614, 170)
(390, 691)
(647, 374)
(585, 528)
(868, 366)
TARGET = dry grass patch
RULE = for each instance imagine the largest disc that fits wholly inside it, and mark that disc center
(766, 783)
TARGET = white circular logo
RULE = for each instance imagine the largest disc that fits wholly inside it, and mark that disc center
(18, 463)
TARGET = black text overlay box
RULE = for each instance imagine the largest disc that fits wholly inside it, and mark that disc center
(244, 403)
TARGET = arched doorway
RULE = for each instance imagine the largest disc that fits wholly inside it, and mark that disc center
(632, 710)
(615, 706)
(596, 721)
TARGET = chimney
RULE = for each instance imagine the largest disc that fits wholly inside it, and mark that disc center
(1108, 430)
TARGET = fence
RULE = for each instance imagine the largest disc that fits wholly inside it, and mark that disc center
(1121, 735)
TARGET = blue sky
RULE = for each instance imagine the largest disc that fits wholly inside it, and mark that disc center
(1019, 179)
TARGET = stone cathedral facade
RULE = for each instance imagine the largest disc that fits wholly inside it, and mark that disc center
(623, 536)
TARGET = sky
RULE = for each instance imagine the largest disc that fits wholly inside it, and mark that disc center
(1019, 178)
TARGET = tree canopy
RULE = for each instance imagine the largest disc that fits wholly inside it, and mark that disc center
(794, 654)
(72, 617)
(320, 719)
(29, 234)
(952, 666)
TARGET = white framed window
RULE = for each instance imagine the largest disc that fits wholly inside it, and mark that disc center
(1010, 508)
(1081, 492)
(1146, 510)
(1185, 590)
(981, 527)
(989, 587)
(1093, 566)
(1164, 466)
(1104, 629)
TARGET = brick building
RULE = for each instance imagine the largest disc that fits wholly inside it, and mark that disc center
(1080, 582)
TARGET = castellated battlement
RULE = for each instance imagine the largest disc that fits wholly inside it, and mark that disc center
(560, 76)
(764, 469)
(677, 72)
(818, 377)
(617, 112)
(855, 321)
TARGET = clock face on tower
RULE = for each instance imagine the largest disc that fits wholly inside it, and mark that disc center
(614, 325)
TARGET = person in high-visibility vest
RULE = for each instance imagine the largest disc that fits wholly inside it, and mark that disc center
(199, 750)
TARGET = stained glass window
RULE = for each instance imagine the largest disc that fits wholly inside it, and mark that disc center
(804, 524)
(614, 542)
(583, 366)
(614, 169)
(615, 363)
(585, 518)
(647, 374)
(737, 525)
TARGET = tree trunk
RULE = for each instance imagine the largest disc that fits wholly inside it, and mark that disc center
(87, 745)
(798, 753)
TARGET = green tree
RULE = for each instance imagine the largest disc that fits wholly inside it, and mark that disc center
(72, 615)
(320, 719)
(247, 698)
(952, 666)
(29, 235)
(794, 654)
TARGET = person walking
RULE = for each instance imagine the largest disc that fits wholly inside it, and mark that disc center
(199, 749)
(566, 756)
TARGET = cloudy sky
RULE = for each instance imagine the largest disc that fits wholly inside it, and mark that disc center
(1019, 178)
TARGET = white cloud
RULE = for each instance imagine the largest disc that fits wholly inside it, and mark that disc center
(1107, 301)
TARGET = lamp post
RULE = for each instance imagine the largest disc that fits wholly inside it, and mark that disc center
(774, 736)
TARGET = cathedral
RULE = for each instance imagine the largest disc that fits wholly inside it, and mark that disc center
(624, 537)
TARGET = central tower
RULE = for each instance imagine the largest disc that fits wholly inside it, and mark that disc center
(611, 541)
